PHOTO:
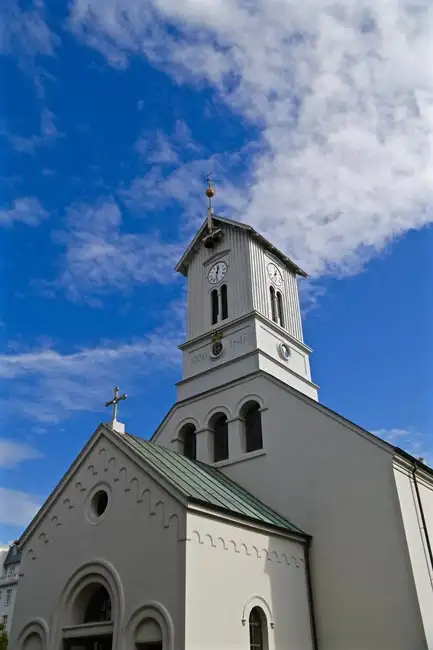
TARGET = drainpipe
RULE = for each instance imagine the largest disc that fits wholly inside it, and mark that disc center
(310, 593)
(416, 464)
(421, 511)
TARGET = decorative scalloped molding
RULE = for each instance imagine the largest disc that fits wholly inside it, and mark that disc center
(153, 505)
(241, 548)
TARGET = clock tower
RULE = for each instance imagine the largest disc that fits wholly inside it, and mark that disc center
(243, 310)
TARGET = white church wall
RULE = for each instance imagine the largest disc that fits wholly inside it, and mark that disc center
(230, 569)
(136, 542)
(338, 486)
(416, 540)
(234, 251)
(260, 283)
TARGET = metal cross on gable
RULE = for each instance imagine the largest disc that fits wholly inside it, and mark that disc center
(114, 402)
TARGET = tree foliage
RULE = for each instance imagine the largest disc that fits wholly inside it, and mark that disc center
(3, 637)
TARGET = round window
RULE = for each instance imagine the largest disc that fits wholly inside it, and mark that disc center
(284, 351)
(99, 502)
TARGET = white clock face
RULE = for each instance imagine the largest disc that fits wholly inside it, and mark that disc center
(217, 272)
(275, 274)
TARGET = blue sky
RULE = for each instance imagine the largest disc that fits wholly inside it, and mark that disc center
(317, 124)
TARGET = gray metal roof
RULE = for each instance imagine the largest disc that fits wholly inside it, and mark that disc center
(206, 485)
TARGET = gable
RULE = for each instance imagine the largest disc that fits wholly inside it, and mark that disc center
(105, 462)
(184, 262)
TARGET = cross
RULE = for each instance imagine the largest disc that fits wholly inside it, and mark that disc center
(114, 402)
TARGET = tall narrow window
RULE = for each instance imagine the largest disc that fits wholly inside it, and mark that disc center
(188, 439)
(214, 306)
(273, 304)
(220, 428)
(257, 625)
(224, 308)
(280, 309)
(252, 417)
(98, 608)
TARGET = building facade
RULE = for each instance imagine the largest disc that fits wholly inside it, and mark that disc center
(9, 576)
(256, 517)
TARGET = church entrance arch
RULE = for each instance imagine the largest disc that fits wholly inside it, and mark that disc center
(92, 624)
(90, 615)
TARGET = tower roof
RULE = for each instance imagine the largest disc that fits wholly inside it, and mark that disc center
(184, 262)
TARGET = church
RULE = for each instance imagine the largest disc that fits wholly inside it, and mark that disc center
(254, 519)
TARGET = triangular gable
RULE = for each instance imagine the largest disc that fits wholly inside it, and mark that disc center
(103, 431)
(182, 265)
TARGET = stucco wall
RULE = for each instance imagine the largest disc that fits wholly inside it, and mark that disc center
(337, 486)
(416, 539)
(137, 542)
(231, 569)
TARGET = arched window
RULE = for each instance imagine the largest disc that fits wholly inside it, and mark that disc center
(273, 304)
(98, 608)
(188, 439)
(148, 635)
(214, 305)
(253, 426)
(258, 629)
(280, 309)
(224, 306)
(220, 428)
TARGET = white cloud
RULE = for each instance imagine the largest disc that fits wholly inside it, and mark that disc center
(13, 453)
(17, 508)
(49, 386)
(26, 210)
(418, 444)
(101, 256)
(342, 95)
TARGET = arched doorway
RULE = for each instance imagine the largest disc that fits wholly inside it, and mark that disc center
(92, 627)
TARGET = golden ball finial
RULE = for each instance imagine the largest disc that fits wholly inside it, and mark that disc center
(210, 192)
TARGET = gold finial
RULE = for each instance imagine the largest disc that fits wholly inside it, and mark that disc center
(210, 193)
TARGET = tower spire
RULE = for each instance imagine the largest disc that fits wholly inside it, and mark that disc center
(210, 193)
(213, 235)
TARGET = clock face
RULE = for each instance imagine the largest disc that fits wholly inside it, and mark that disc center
(275, 274)
(217, 272)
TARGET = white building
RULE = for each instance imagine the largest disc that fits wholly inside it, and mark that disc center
(296, 530)
(9, 573)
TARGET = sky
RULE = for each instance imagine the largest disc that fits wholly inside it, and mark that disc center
(316, 120)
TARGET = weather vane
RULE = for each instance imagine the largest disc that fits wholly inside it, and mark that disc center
(214, 235)
(210, 193)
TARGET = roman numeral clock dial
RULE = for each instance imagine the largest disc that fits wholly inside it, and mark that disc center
(217, 272)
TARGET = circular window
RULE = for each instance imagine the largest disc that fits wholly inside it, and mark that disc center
(217, 349)
(99, 502)
(284, 351)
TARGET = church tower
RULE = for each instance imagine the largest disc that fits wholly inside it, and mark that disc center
(243, 310)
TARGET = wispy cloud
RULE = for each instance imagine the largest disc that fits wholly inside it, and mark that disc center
(48, 134)
(341, 96)
(17, 508)
(14, 453)
(414, 442)
(47, 386)
(101, 255)
(26, 210)
(25, 33)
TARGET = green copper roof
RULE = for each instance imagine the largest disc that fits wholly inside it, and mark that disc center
(207, 485)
